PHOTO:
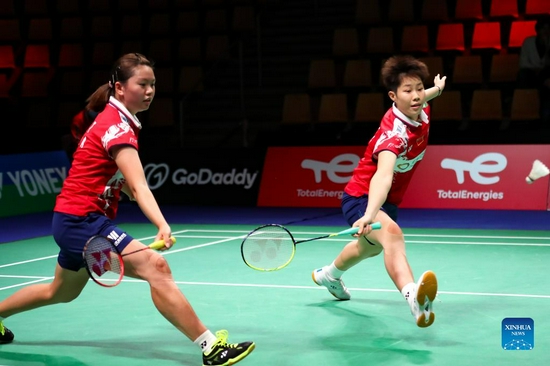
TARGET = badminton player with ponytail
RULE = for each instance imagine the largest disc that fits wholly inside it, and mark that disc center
(378, 184)
(106, 163)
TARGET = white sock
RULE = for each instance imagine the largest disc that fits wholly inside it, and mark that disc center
(408, 291)
(334, 272)
(205, 341)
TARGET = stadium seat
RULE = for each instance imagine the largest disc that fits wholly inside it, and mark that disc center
(35, 83)
(468, 10)
(164, 80)
(102, 28)
(66, 6)
(217, 47)
(504, 68)
(447, 106)
(333, 108)
(103, 54)
(467, 70)
(296, 109)
(435, 65)
(525, 105)
(415, 39)
(132, 26)
(367, 12)
(7, 57)
(36, 7)
(519, 30)
(450, 37)
(243, 19)
(504, 9)
(187, 22)
(486, 105)
(357, 73)
(486, 36)
(72, 83)
(40, 29)
(401, 11)
(537, 7)
(215, 20)
(370, 107)
(99, 6)
(7, 8)
(159, 25)
(161, 112)
(37, 56)
(189, 50)
(190, 79)
(10, 30)
(71, 55)
(345, 42)
(435, 11)
(71, 28)
(322, 74)
(380, 40)
(160, 50)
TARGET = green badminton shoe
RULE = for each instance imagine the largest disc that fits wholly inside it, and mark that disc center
(223, 353)
(6, 336)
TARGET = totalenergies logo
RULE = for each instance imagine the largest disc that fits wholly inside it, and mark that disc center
(338, 170)
(482, 169)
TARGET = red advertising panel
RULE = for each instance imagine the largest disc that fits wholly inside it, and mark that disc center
(479, 177)
(461, 177)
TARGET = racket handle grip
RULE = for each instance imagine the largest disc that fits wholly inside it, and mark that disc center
(376, 225)
(160, 243)
(353, 230)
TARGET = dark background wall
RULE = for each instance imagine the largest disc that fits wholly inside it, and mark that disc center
(255, 73)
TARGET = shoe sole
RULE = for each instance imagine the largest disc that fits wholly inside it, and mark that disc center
(318, 284)
(425, 295)
(240, 357)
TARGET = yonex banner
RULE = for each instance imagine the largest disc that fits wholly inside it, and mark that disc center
(458, 177)
(204, 177)
(30, 182)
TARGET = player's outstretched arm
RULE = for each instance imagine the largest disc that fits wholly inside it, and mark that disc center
(437, 89)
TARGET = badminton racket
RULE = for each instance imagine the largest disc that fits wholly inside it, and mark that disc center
(103, 261)
(272, 247)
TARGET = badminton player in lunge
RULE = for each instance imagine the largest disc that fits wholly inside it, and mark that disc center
(105, 163)
(379, 182)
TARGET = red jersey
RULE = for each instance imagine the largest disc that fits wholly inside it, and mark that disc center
(405, 138)
(94, 182)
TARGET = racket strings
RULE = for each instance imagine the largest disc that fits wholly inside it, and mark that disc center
(101, 258)
(268, 248)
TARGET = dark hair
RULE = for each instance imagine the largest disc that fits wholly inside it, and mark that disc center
(397, 67)
(123, 69)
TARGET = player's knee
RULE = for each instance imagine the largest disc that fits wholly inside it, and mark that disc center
(394, 229)
(162, 266)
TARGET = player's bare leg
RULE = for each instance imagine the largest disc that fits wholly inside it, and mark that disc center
(65, 287)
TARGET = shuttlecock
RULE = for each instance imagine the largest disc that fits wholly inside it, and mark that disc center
(539, 170)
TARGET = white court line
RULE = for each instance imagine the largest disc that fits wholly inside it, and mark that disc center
(224, 239)
(294, 287)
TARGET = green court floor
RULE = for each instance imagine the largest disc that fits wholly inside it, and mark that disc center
(484, 277)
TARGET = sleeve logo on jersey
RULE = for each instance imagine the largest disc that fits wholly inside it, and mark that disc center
(114, 132)
(403, 164)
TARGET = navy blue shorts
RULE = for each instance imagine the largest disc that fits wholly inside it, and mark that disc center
(354, 208)
(72, 232)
